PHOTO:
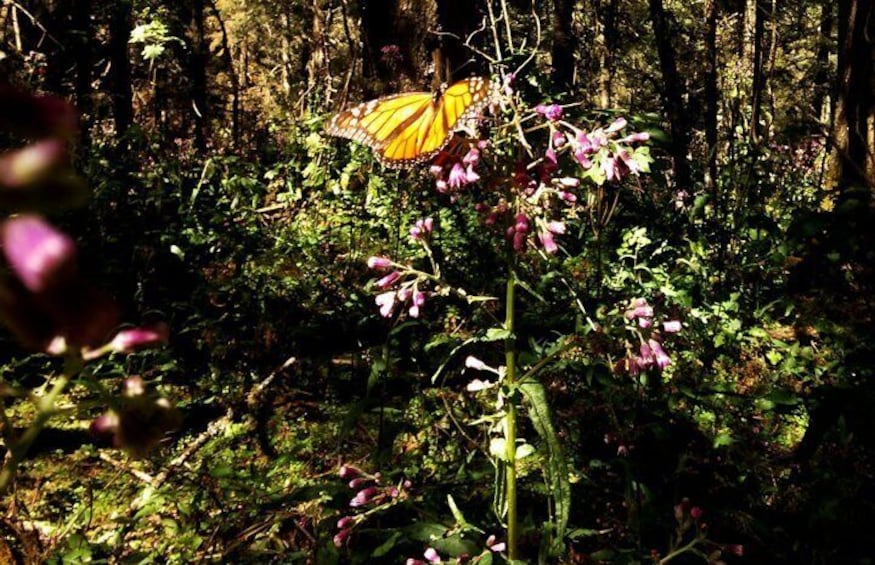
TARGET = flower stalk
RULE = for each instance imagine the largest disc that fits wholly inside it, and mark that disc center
(510, 419)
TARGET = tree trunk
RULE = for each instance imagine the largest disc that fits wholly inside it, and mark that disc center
(228, 61)
(377, 20)
(606, 16)
(761, 11)
(198, 74)
(823, 99)
(564, 45)
(83, 60)
(712, 96)
(672, 95)
(120, 68)
(853, 164)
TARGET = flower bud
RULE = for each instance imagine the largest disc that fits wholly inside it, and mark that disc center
(345, 522)
(379, 262)
(341, 537)
(130, 340)
(388, 280)
(472, 362)
(349, 471)
(617, 125)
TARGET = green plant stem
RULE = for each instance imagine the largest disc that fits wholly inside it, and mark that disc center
(510, 420)
(679, 551)
(45, 409)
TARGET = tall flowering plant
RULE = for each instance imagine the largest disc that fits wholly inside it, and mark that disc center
(531, 175)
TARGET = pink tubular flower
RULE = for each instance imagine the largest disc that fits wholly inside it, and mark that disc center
(404, 293)
(659, 355)
(418, 298)
(519, 241)
(550, 111)
(348, 471)
(630, 163)
(639, 136)
(471, 175)
(493, 545)
(644, 322)
(457, 177)
(41, 256)
(386, 302)
(345, 522)
(472, 362)
(567, 196)
(477, 385)
(472, 157)
(550, 161)
(127, 341)
(379, 262)
(364, 496)
(645, 358)
(559, 140)
(556, 227)
(569, 182)
(341, 537)
(521, 223)
(358, 482)
(548, 241)
(640, 309)
(431, 555)
(610, 167)
(696, 512)
(616, 125)
(671, 326)
(388, 280)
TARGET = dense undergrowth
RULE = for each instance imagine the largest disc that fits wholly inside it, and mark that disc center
(752, 440)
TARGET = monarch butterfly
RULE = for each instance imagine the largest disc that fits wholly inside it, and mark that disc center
(412, 127)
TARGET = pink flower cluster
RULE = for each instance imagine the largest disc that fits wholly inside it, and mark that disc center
(613, 155)
(650, 352)
(370, 492)
(422, 229)
(543, 186)
(432, 556)
(401, 285)
(453, 171)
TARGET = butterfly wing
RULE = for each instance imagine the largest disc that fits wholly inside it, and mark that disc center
(405, 129)
(374, 123)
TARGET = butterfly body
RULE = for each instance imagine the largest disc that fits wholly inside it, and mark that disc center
(412, 127)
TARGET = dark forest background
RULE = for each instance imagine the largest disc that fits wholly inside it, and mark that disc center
(219, 205)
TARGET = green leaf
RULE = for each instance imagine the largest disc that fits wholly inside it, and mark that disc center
(774, 357)
(425, 531)
(387, 545)
(557, 468)
(524, 450)
(496, 334)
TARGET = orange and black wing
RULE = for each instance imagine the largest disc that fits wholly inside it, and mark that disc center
(405, 129)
